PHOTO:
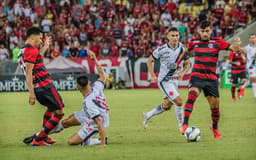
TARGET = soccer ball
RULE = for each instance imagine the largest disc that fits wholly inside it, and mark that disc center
(192, 134)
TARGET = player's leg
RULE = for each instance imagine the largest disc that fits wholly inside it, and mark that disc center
(169, 93)
(241, 89)
(54, 104)
(166, 105)
(193, 93)
(211, 92)
(253, 82)
(179, 111)
(234, 81)
(215, 115)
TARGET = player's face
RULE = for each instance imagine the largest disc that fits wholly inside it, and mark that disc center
(238, 42)
(173, 37)
(205, 34)
(252, 39)
(37, 40)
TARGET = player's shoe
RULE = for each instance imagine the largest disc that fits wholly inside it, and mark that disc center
(216, 132)
(183, 128)
(145, 120)
(49, 140)
(29, 139)
(234, 98)
(39, 143)
(241, 90)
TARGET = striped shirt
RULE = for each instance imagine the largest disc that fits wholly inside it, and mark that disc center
(237, 57)
(206, 56)
(30, 54)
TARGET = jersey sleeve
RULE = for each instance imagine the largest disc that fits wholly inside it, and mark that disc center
(223, 45)
(98, 86)
(156, 53)
(30, 55)
(190, 45)
(230, 57)
(92, 111)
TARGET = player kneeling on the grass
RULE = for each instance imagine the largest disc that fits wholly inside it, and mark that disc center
(238, 70)
(94, 116)
(168, 78)
(40, 85)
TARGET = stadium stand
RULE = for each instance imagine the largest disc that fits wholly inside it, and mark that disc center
(113, 28)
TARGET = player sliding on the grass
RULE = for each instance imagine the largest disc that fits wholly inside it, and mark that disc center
(169, 76)
(40, 85)
(203, 76)
(94, 117)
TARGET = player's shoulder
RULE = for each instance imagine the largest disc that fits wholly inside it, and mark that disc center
(30, 48)
(162, 47)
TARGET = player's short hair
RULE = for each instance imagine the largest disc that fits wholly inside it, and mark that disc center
(82, 81)
(253, 34)
(172, 29)
(33, 31)
(204, 24)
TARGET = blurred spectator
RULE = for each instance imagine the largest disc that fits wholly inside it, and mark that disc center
(82, 52)
(55, 52)
(65, 51)
(105, 50)
(4, 54)
(46, 24)
(73, 50)
(110, 81)
(13, 40)
(166, 19)
(120, 84)
(15, 52)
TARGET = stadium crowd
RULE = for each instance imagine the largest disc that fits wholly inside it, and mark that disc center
(113, 28)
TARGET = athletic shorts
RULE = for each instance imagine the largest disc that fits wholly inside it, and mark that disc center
(235, 76)
(49, 97)
(89, 127)
(169, 89)
(252, 72)
(209, 87)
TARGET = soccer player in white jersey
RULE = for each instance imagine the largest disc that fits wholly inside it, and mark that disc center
(94, 116)
(168, 77)
(250, 50)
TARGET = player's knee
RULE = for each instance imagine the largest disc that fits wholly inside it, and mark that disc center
(71, 142)
(179, 103)
(65, 123)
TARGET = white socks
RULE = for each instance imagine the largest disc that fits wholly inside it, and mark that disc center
(254, 89)
(159, 109)
(91, 142)
(246, 84)
(179, 115)
(59, 127)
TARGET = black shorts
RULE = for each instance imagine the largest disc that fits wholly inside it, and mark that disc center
(210, 87)
(234, 77)
(49, 97)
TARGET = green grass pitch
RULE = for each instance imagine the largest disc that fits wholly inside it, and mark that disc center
(126, 137)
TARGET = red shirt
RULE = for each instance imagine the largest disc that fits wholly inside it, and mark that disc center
(30, 54)
(237, 57)
(206, 57)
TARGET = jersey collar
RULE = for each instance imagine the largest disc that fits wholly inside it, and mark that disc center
(173, 48)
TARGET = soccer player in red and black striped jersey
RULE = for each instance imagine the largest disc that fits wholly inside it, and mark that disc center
(203, 76)
(40, 85)
(238, 70)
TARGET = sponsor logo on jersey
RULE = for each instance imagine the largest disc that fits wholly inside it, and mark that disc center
(210, 45)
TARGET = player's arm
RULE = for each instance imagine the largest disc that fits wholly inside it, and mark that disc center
(185, 69)
(101, 129)
(101, 73)
(151, 70)
(184, 56)
(29, 80)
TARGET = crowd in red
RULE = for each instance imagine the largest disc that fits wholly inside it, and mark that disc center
(114, 28)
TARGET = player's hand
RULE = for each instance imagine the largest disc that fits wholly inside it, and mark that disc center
(32, 99)
(237, 63)
(177, 66)
(48, 41)
(180, 75)
(91, 55)
(154, 79)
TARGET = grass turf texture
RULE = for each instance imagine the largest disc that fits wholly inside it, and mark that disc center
(126, 137)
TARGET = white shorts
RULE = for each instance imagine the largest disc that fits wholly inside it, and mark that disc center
(169, 89)
(252, 72)
(89, 127)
